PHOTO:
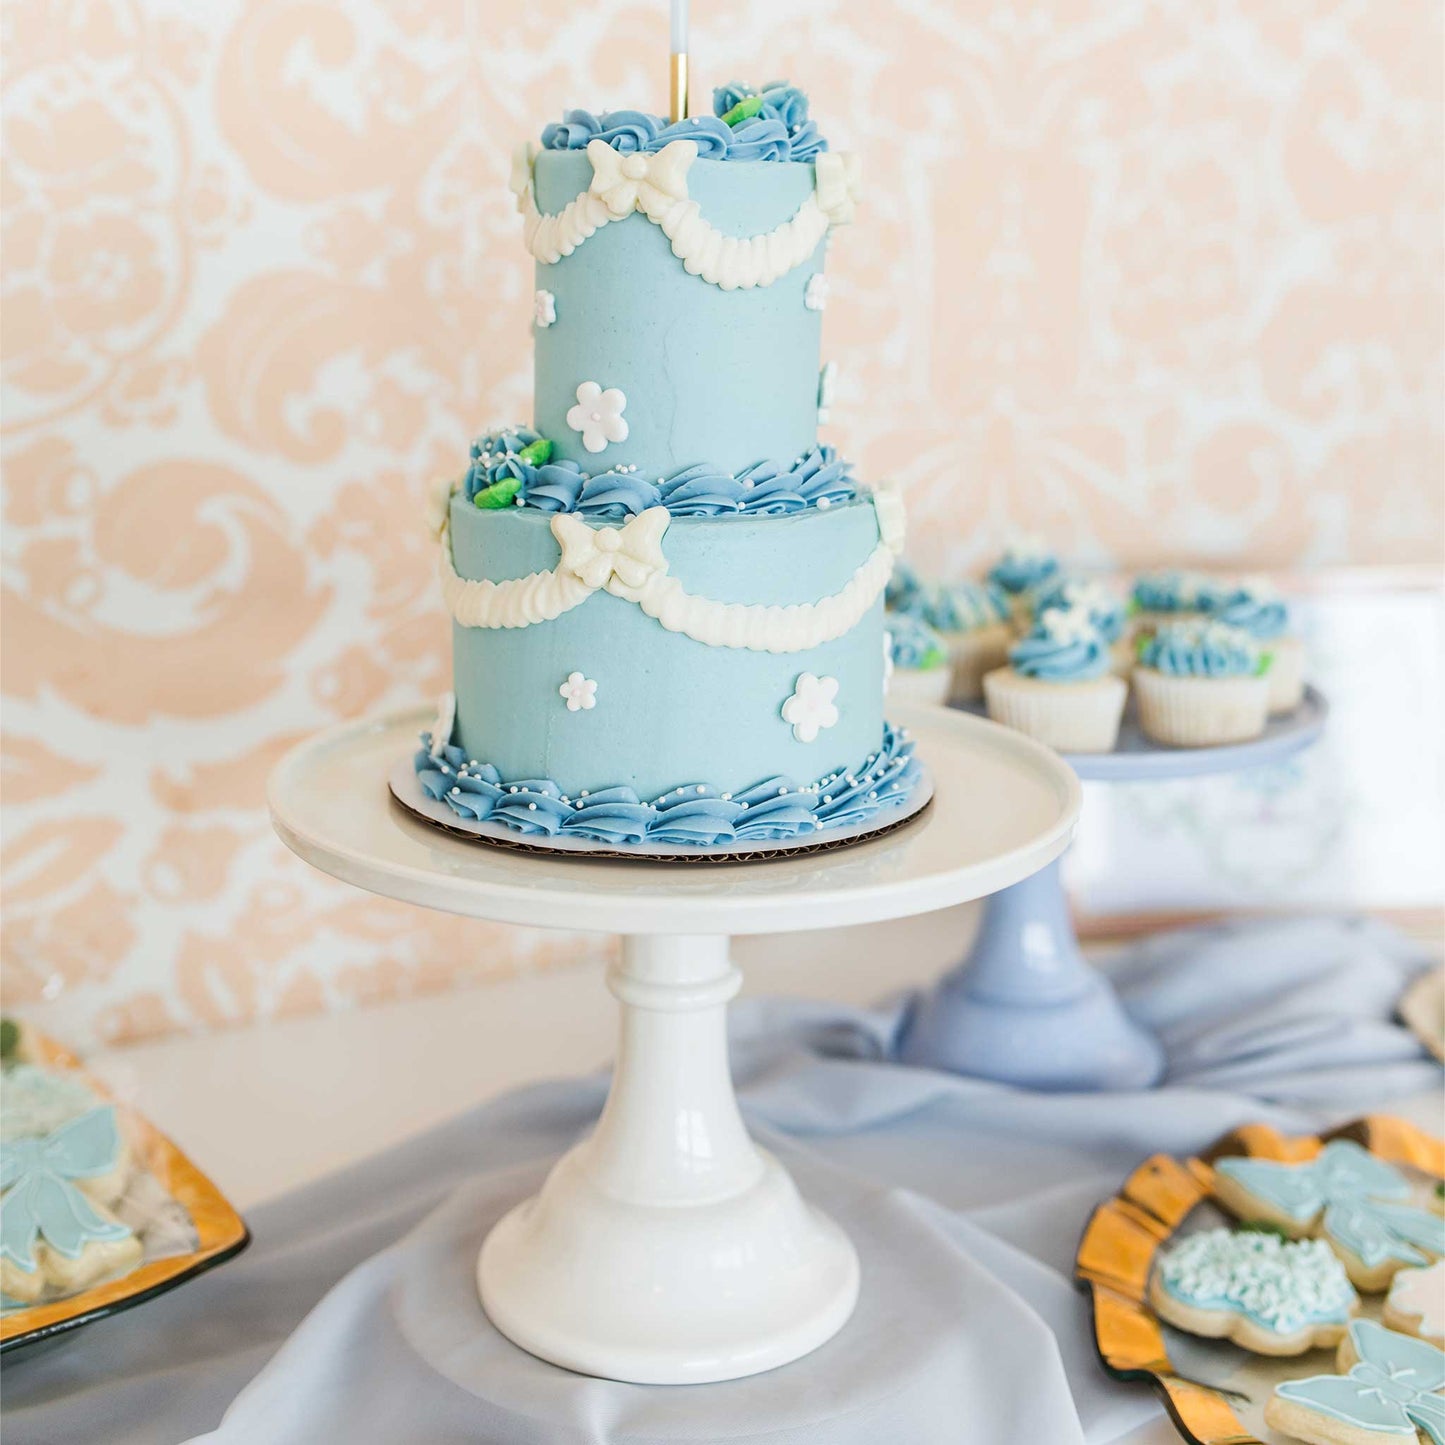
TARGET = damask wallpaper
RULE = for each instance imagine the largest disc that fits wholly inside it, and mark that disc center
(1155, 278)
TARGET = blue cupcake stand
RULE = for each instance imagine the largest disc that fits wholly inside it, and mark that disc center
(1025, 1007)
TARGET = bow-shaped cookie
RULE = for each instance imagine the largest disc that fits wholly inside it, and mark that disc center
(639, 181)
(40, 1198)
(623, 560)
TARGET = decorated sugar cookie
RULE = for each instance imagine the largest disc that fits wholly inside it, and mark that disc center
(1416, 1303)
(55, 1229)
(1270, 1295)
(1354, 1201)
(1386, 1393)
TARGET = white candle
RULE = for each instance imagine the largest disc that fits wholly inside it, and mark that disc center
(679, 27)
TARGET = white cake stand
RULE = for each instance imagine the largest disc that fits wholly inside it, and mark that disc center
(667, 1248)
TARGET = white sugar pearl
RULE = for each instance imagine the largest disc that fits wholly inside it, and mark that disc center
(531, 807)
(701, 790)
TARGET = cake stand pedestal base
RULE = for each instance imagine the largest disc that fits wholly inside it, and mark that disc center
(1026, 1007)
(667, 1248)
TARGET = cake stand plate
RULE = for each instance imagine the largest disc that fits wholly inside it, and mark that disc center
(1026, 1007)
(410, 794)
(667, 1248)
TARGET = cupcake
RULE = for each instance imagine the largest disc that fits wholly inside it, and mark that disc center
(1105, 611)
(973, 620)
(1057, 686)
(1169, 596)
(917, 664)
(1255, 607)
(1026, 565)
(1200, 683)
(904, 588)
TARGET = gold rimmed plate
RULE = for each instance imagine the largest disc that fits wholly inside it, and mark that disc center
(1214, 1391)
(216, 1231)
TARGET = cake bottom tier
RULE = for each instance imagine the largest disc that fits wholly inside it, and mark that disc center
(690, 814)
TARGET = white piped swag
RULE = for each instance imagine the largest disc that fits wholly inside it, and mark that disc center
(656, 186)
(629, 562)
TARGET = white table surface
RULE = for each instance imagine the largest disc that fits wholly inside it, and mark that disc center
(267, 1108)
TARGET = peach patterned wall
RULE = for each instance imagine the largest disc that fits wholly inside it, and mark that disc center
(1156, 279)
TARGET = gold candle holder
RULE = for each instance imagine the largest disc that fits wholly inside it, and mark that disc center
(679, 87)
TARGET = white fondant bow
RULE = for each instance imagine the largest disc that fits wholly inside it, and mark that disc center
(621, 559)
(892, 519)
(647, 183)
(521, 181)
(837, 181)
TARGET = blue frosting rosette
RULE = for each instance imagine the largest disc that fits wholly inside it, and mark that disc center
(1253, 606)
(1202, 648)
(1063, 645)
(1024, 565)
(1171, 590)
(913, 645)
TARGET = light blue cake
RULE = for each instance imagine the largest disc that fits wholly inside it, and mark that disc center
(667, 597)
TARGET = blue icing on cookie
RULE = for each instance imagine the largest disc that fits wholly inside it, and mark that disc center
(40, 1198)
(1391, 1389)
(1360, 1198)
(1281, 1285)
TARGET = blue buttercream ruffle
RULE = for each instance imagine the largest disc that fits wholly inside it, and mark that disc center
(694, 815)
(819, 478)
(1201, 649)
(781, 131)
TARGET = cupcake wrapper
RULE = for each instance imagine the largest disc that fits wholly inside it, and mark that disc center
(1200, 712)
(910, 684)
(1286, 675)
(973, 654)
(1074, 717)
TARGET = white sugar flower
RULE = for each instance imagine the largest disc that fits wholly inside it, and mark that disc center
(598, 416)
(811, 707)
(1069, 624)
(815, 294)
(580, 692)
(544, 309)
(438, 504)
(827, 385)
(446, 719)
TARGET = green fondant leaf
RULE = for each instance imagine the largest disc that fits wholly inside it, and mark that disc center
(1140, 643)
(500, 494)
(745, 109)
(934, 657)
(537, 453)
(1266, 661)
(9, 1039)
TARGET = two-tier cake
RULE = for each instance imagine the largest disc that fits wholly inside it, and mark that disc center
(666, 596)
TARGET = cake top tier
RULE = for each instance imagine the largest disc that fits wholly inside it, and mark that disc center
(768, 124)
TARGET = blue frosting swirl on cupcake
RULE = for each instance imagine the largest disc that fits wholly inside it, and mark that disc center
(913, 644)
(1202, 647)
(780, 131)
(1171, 590)
(1255, 607)
(1105, 610)
(965, 606)
(1023, 565)
(904, 588)
(1062, 646)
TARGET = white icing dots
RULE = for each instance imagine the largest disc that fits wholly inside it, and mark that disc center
(1283, 1285)
(580, 694)
(598, 416)
(811, 708)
